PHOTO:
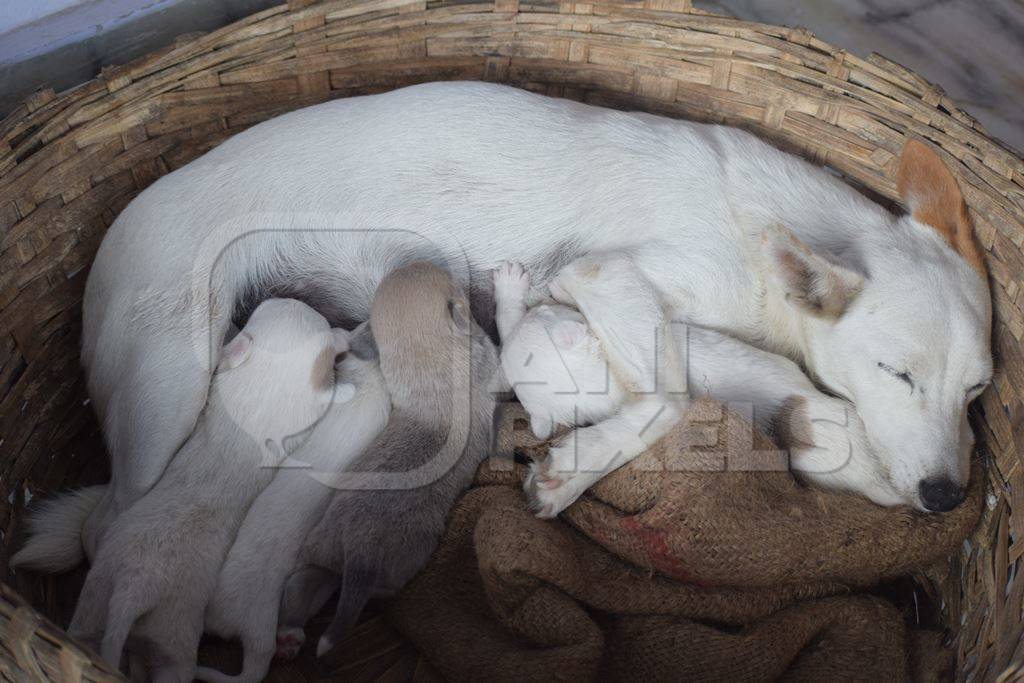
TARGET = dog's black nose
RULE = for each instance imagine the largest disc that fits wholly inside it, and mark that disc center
(941, 494)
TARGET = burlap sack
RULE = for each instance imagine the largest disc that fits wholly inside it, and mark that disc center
(663, 573)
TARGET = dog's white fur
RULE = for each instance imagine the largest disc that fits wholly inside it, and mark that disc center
(245, 604)
(156, 565)
(560, 374)
(321, 199)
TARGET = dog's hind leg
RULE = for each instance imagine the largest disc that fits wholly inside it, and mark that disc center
(90, 618)
(176, 673)
(357, 583)
(148, 360)
(306, 591)
(126, 605)
(152, 411)
(256, 633)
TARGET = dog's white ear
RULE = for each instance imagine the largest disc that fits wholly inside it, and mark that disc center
(568, 333)
(340, 339)
(810, 281)
(235, 352)
(932, 195)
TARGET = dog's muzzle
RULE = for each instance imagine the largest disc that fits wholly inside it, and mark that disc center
(940, 494)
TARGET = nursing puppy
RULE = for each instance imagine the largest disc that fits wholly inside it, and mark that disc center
(248, 595)
(553, 361)
(157, 564)
(389, 512)
(560, 373)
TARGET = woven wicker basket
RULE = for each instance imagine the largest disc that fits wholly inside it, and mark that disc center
(70, 162)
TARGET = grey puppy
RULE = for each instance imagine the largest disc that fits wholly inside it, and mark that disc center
(387, 517)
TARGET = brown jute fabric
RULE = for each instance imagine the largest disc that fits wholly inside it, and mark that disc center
(733, 572)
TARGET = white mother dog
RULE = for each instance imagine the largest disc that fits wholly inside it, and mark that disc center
(892, 313)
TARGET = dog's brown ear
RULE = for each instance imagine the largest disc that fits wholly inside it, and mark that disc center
(811, 282)
(932, 195)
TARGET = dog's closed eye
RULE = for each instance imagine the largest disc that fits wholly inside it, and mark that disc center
(901, 375)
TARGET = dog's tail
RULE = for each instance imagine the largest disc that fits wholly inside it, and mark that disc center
(55, 532)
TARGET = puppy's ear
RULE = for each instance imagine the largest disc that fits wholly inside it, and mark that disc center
(342, 393)
(341, 338)
(235, 352)
(811, 282)
(542, 426)
(932, 195)
(568, 333)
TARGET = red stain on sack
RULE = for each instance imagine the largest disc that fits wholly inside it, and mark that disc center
(658, 551)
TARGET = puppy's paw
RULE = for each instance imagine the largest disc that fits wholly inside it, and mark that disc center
(537, 483)
(343, 393)
(511, 282)
(290, 640)
(548, 493)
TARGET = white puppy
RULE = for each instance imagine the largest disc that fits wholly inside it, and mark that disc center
(553, 361)
(264, 554)
(157, 564)
(561, 375)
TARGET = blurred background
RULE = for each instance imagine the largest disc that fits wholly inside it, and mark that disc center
(974, 49)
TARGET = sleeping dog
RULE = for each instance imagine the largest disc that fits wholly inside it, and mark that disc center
(891, 313)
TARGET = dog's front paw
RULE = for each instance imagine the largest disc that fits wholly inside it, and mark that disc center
(828, 446)
(549, 492)
(540, 487)
(290, 640)
(511, 282)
